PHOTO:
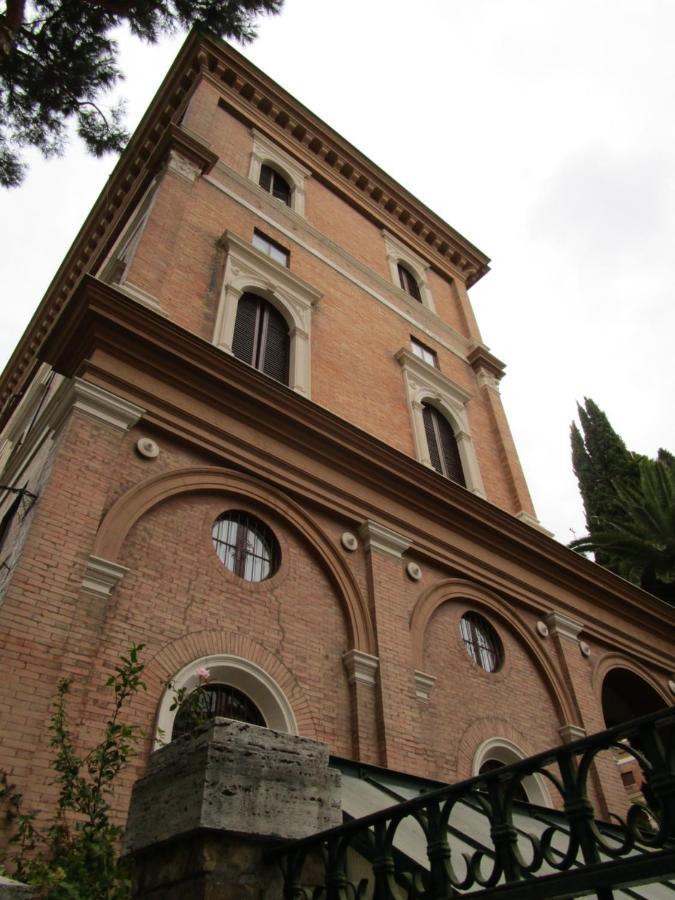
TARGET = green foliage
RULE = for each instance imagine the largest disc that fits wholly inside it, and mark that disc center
(57, 58)
(76, 856)
(629, 502)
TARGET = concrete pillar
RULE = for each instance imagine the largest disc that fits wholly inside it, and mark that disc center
(211, 806)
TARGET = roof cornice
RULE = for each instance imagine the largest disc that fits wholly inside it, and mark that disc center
(101, 318)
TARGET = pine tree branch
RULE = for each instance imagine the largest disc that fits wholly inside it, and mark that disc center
(10, 24)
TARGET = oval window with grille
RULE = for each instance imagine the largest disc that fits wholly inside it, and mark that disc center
(481, 642)
(246, 546)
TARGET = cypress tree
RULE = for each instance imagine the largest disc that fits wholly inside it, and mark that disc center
(601, 461)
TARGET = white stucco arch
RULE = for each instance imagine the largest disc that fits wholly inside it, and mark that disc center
(504, 751)
(237, 672)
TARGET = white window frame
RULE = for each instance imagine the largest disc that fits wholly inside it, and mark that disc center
(506, 752)
(400, 254)
(248, 269)
(237, 672)
(425, 383)
(266, 153)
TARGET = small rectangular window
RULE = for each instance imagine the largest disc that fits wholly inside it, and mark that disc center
(424, 352)
(271, 248)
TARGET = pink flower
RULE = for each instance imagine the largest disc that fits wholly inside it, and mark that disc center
(203, 674)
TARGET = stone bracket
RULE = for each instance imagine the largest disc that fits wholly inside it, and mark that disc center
(378, 537)
(101, 577)
(424, 684)
(361, 667)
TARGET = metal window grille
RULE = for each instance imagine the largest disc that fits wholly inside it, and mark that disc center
(442, 444)
(246, 546)
(261, 337)
(409, 283)
(481, 641)
(275, 184)
(217, 700)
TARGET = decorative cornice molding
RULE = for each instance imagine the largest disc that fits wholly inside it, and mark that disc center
(361, 667)
(424, 684)
(178, 143)
(384, 540)
(244, 256)
(564, 626)
(482, 361)
(430, 375)
(103, 318)
(101, 577)
(93, 402)
(569, 733)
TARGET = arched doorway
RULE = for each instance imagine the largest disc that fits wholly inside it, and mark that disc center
(627, 696)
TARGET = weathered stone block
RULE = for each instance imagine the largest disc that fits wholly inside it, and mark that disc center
(14, 890)
(236, 778)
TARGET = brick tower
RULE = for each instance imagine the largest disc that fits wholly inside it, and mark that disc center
(253, 426)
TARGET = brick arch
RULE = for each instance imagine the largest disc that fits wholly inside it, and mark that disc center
(610, 661)
(460, 589)
(142, 497)
(482, 730)
(173, 656)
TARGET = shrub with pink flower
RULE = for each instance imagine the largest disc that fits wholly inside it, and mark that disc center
(203, 674)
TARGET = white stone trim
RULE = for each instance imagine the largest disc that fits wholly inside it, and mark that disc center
(101, 577)
(506, 752)
(383, 539)
(533, 521)
(237, 672)
(248, 269)
(426, 383)
(361, 667)
(140, 296)
(183, 167)
(424, 684)
(94, 402)
(564, 626)
(569, 733)
(266, 152)
(398, 252)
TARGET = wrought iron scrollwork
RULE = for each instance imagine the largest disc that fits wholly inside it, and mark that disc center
(568, 841)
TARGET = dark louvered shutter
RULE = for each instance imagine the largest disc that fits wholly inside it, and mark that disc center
(443, 449)
(244, 340)
(409, 283)
(266, 175)
(275, 345)
(432, 440)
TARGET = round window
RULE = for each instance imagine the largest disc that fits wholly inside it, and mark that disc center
(246, 546)
(481, 642)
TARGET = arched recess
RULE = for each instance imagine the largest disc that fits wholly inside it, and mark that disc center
(460, 589)
(235, 659)
(625, 690)
(142, 497)
(503, 752)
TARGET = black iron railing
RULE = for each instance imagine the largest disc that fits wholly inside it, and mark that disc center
(569, 854)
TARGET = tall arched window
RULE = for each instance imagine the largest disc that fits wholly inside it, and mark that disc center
(211, 700)
(275, 184)
(409, 283)
(261, 337)
(442, 444)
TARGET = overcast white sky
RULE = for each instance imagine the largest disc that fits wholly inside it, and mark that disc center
(542, 130)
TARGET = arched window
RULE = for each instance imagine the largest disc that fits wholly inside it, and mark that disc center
(211, 700)
(481, 641)
(409, 283)
(275, 184)
(491, 765)
(261, 337)
(442, 444)
(497, 752)
(246, 546)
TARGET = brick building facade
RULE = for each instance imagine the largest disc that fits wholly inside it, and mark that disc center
(404, 619)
